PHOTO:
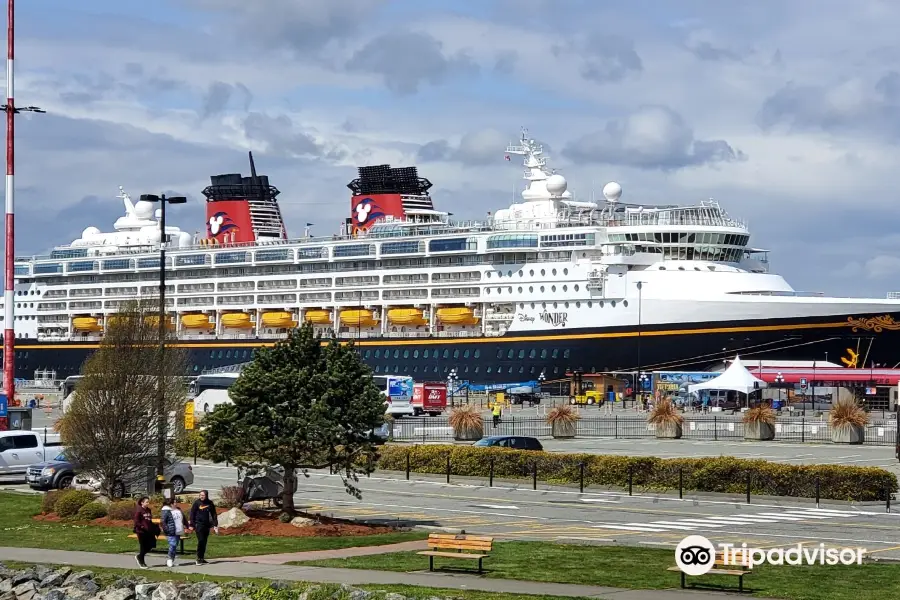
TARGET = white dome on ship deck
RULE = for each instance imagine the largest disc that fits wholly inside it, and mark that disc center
(556, 184)
(144, 209)
(612, 191)
(89, 232)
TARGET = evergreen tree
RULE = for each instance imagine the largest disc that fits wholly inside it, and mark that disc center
(300, 405)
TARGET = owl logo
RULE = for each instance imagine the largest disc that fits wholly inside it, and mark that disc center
(367, 211)
(220, 223)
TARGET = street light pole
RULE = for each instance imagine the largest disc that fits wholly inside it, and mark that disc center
(640, 287)
(11, 110)
(161, 413)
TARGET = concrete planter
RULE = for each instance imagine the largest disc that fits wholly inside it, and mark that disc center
(563, 429)
(468, 434)
(848, 434)
(759, 431)
(671, 431)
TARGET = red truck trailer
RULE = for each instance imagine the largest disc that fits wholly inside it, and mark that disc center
(429, 398)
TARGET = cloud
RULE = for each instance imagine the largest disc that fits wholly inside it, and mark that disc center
(603, 58)
(278, 135)
(652, 137)
(852, 105)
(219, 94)
(475, 148)
(406, 60)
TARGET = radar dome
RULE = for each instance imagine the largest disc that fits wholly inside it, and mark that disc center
(612, 191)
(556, 185)
(90, 232)
(143, 209)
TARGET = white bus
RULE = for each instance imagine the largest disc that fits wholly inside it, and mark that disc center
(398, 393)
(211, 390)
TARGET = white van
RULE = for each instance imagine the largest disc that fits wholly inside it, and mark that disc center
(398, 393)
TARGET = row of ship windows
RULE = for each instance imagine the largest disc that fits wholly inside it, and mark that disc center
(364, 265)
(465, 354)
(727, 239)
(405, 369)
(497, 242)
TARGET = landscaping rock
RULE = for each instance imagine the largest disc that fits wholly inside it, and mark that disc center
(309, 592)
(41, 572)
(355, 594)
(212, 592)
(302, 522)
(280, 585)
(233, 518)
(20, 577)
(54, 594)
(6, 586)
(5, 572)
(165, 591)
(395, 596)
(122, 593)
(84, 583)
(144, 591)
(79, 577)
(7, 596)
(56, 578)
(26, 590)
(237, 596)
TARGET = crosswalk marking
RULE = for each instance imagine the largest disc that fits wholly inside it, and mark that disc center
(696, 523)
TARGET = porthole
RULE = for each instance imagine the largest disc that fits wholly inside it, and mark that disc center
(566, 353)
(578, 305)
(553, 289)
(510, 289)
(613, 303)
(521, 273)
(521, 369)
(425, 353)
(590, 304)
(531, 290)
(601, 304)
(555, 370)
(531, 272)
(567, 305)
(565, 288)
(477, 355)
(520, 289)
(625, 303)
(554, 271)
(509, 370)
(456, 354)
(554, 305)
(521, 304)
(565, 271)
(477, 368)
(367, 354)
(406, 354)
(396, 354)
(555, 353)
(499, 354)
(509, 273)
(576, 287)
(488, 274)
(446, 353)
(466, 354)
(543, 305)
(543, 272)
(415, 354)
(544, 353)
(521, 354)
(532, 305)
(542, 288)
(415, 368)
(490, 369)
(487, 291)
(510, 354)
(531, 354)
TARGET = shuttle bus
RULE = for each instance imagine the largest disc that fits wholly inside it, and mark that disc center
(398, 394)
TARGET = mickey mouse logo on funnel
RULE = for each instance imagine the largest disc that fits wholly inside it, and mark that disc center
(695, 555)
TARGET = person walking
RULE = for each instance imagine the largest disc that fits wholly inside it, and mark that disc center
(173, 522)
(202, 519)
(145, 528)
(497, 414)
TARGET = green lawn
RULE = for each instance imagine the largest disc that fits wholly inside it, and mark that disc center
(104, 576)
(645, 568)
(18, 529)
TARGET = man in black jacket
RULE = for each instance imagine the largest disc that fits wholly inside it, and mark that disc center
(202, 519)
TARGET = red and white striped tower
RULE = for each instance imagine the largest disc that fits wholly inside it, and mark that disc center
(9, 366)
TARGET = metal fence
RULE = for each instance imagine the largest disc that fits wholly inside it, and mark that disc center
(706, 427)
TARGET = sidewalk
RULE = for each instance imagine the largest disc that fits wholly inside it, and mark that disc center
(280, 559)
(240, 567)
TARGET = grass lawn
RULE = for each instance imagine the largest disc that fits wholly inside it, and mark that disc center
(104, 575)
(645, 568)
(18, 529)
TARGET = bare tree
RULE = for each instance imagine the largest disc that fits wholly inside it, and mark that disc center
(110, 428)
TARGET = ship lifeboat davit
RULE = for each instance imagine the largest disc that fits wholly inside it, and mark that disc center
(358, 318)
(237, 320)
(279, 320)
(457, 316)
(196, 322)
(318, 317)
(406, 316)
(86, 324)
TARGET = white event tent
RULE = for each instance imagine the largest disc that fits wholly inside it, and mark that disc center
(735, 378)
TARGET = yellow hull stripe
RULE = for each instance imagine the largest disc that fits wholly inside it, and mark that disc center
(478, 340)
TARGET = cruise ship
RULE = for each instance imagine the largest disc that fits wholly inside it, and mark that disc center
(549, 285)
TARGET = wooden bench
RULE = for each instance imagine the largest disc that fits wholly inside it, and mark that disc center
(466, 547)
(721, 568)
(162, 537)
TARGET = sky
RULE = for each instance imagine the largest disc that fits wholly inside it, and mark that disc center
(786, 113)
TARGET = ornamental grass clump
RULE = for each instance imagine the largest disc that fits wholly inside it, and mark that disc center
(760, 414)
(467, 423)
(562, 420)
(847, 412)
(666, 419)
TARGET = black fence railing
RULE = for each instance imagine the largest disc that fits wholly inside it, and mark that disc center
(705, 427)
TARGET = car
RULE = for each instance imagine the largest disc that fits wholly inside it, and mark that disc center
(56, 474)
(179, 474)
(517, 442)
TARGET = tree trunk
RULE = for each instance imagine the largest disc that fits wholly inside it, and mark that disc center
(290, 486)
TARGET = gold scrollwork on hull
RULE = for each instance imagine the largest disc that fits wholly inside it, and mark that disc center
(876, 324)
(851, 361)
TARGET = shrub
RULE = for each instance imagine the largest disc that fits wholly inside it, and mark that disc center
(709, 474)
(664, 414)
(847, 412)
(122, 510)
(467, 422)
(231, 496)
(48, 502)
(562, 414)
(71, 502)
(760, 414)
(188, 440)
(91, 511)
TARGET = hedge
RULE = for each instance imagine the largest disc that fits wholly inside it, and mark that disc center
(720, 474)
(91, 511)
(71, 501)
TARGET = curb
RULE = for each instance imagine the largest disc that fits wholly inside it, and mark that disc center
(453, 530)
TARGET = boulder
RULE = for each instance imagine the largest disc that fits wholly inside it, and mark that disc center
(212, 592)
(233, 518)
(41, 571)
(355, 594)
(79, 577)
(144, 591)
(6, 586)
(310, 592)
(5, 572)
(54, 594)
(302, 522)
(7, 596)
(165, 591)
(22, 576)
(56, 578)
(121, 593)
(26, 590)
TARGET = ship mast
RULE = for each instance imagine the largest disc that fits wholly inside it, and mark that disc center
(10, 108)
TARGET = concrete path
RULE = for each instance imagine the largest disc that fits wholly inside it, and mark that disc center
(240, 567)
(280, 559)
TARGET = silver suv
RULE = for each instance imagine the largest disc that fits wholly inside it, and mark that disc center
(178, 473)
